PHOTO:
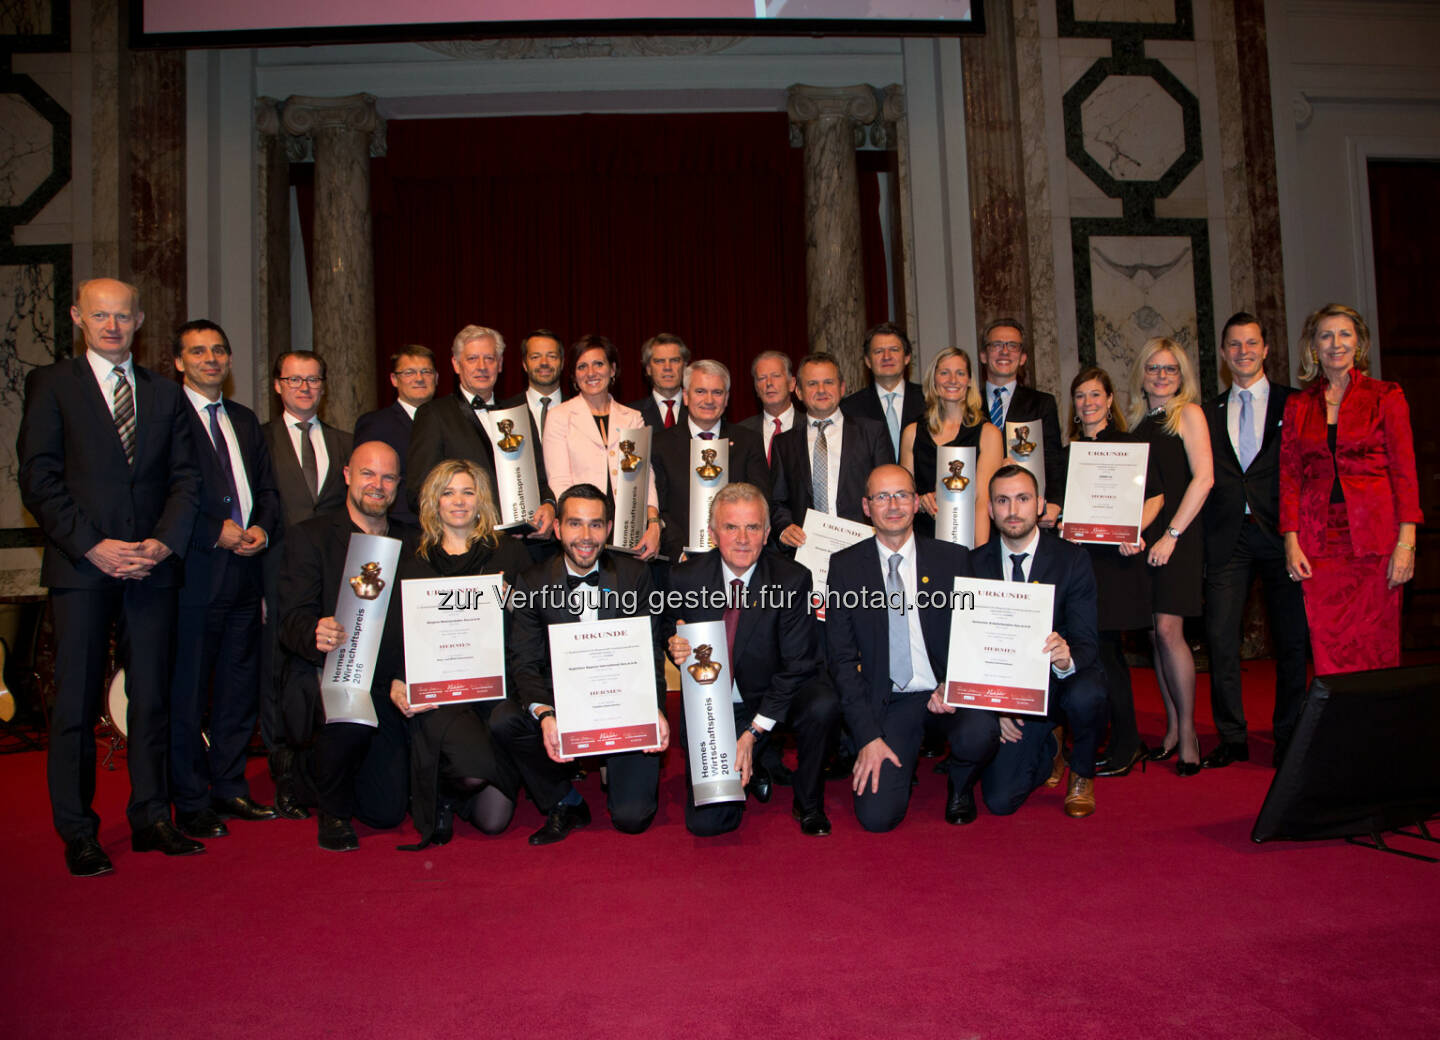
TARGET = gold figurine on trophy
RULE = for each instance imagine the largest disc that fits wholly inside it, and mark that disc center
(368, 583)
(704, 670)
(709, 471)
(1022, 445)
(509, 439)
(630, 459)
(957, 481)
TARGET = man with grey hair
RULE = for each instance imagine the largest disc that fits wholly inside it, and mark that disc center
(707, 393)
(451, 428)
(663, 357)
(775, 387)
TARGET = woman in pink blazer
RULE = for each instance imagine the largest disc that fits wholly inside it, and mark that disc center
(1349, 498)
(582, 435)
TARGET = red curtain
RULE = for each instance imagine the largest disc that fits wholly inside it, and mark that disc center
(621, 225)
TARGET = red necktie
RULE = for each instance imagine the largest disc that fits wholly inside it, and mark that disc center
(771, 446)
(732, 617)
(669, 414)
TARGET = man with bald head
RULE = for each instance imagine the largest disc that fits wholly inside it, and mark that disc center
(353, 770)
(107, 471)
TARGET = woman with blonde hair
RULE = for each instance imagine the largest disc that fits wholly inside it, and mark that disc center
(954, 417)
(1164, 412)
(1349, 496)
(455, 767)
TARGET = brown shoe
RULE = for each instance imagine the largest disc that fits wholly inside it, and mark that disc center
(1057, 771)
(1080, 798)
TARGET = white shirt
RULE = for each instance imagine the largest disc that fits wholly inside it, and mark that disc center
(760, 721)
(1007, 393)
(767, 424)
(1259, 401)
(696, 431)
(660, 400)
(833, 439)
(923, 680)
(201, 404)
(105, 375)
(410, 409)
(591, 610)
(532, 398)
(317, 438)
(1006, 565)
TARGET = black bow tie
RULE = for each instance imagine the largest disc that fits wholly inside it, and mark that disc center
(478, 403)
(573, 581)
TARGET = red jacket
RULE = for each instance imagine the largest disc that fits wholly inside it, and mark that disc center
(1375, 457)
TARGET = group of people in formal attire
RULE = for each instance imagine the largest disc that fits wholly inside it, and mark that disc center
(214, 547)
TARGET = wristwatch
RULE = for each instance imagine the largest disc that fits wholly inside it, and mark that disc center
(1172, 532)
(755, 731)
(548, 713)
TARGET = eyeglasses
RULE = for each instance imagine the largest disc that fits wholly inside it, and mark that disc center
(412, 373)
(1003, 346)
(902, 498)
(1163, 370)
(296, 382)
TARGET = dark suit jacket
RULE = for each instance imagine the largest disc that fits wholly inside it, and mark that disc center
(777, 648)
(866, 404)
(858, 638)
(654, 418)
(540, 601)
(864, 444)
(205, 565)
(75, 481)
(1029, 403)
(1066, 566)
(294, 495)
(1259, 486)
(391, 425)
(670, 455)
(447, 428)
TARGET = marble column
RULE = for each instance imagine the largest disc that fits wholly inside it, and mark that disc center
(997, 176)
(273, 217)
(342, 266)
(893, 117)
(835, 290)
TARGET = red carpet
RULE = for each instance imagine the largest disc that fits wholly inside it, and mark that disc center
(1157, 917)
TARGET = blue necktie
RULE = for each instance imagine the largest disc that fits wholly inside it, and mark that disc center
(902, 669)
(892, 420)
(997, 410)
(1248, 448)
(222, 455)
(1017, 567)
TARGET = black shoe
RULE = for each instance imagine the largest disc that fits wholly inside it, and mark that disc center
(932, 748)
(562, 820)
(840, 767)
(812, 824)
(1112, 766)
(444, 823)
(242, 807)
(760, 784)
(287, 806)
(202, 823)
(85, 858)
(1225, 753)
(1163, 754)
(960, 805)
(781, 775)
(336, 834)
(162, 836)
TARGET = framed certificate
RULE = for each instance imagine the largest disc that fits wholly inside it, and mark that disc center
(997, 661)
(604, 679)
(1105, 492)
(454, 638)
(825, 535)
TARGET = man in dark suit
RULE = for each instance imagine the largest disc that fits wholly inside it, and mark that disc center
(848, 448)
(1003, 357)
(217, 635)
(707, 393)
(413, 375)
(1242, 537)
(452, 427)
(543, 358)
(890, 399)
(775, 388)
(583, 583)
(1012, 756)
(779, 673)
(353, 770)
(663, 358)
(106, 470)
(887, 628)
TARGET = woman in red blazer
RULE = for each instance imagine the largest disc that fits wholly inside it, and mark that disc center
(1349, 499)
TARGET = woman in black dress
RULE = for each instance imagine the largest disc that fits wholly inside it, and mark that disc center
(954, 417)
(1163, 392)
(453, 761)
(1121, 580)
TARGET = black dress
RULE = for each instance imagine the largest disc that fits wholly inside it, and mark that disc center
(455, 738)
(1175, 587)
(924, 453)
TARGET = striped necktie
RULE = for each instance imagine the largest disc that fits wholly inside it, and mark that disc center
(124, 401)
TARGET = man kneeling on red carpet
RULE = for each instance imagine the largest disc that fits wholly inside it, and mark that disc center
(1011, 756)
